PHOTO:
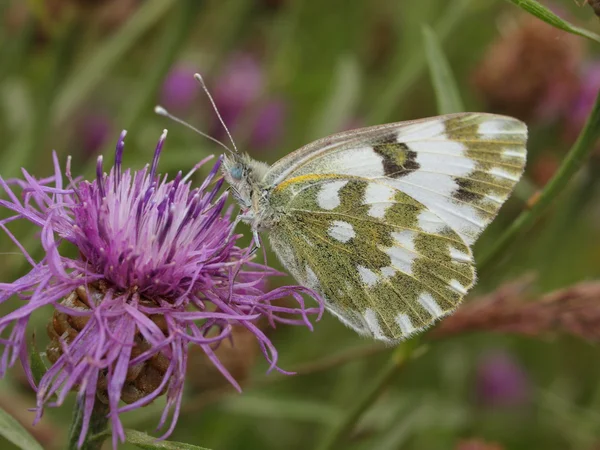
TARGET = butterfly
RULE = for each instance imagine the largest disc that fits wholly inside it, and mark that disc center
(380, 220)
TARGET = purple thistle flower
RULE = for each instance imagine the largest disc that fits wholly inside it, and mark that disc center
(501, 381)
(584, 101)
(156, 272)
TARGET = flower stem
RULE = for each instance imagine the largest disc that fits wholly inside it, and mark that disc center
(396, 362)
(98, 424)
(571, 164)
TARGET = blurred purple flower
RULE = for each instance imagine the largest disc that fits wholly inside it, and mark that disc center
(240, 84)
(269, 123)
(156, 272)
(582, 106)
(179, 89)
(93, 132)
(501, 381)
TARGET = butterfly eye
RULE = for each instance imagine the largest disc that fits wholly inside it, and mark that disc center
(236, 172)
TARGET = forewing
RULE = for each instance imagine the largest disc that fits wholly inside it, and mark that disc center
(462, 167)
(385, 264)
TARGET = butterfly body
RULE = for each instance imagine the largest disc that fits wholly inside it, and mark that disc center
(380, 220)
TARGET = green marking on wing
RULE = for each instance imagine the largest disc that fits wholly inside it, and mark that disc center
(499, 155)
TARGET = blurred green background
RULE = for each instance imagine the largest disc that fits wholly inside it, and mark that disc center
(74, 73)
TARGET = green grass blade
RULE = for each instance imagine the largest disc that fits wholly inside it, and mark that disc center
(175, 36)
(91, 71)
(339, 106)
(543, 13)
(23, 151)
(142, 440)
(38, 367)
(410, 67)
(342, 429)
(444, 84)
(14, 432)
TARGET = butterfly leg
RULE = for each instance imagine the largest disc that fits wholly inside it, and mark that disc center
(243, 217)
(256, 240)
(237, 220)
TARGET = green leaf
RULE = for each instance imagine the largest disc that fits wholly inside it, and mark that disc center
(13, 431)
(142, 440)
(16, 104)
(38, 367)
(543, 13)
(97, 430)
(444, 84)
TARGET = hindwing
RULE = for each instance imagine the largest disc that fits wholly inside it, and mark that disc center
(384, 263)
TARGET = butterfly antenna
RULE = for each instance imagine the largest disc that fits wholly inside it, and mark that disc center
(163, 112)
(198, 78)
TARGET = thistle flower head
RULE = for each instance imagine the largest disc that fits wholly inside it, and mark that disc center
(157, 270)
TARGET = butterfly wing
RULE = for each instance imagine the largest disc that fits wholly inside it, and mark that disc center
(380, 220)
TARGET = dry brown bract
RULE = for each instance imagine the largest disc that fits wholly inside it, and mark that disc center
(574, 310)
(238, 355)
(530, 71)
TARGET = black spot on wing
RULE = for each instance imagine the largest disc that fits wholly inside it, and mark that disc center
(398, 159)
(466, 191)
(411, 164)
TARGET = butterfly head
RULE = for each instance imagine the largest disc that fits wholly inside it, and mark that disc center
(244, 175)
